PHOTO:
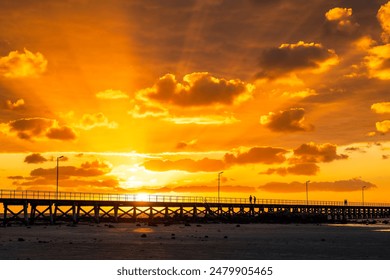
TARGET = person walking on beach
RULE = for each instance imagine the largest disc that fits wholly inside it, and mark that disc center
(250, 199)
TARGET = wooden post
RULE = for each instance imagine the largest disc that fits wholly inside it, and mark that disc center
(134, 213)
(96, 210)
(116, 213)
(74, 213)
(51, 213)
(25, 213)
(32, 214)
(5, 214)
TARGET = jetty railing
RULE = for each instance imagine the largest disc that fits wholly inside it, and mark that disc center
(81, 196)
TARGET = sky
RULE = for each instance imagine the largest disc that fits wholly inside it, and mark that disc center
(159, 97)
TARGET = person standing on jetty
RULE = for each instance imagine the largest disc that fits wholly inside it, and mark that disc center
(250, 199)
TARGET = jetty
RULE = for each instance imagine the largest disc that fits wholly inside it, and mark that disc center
(30, 207)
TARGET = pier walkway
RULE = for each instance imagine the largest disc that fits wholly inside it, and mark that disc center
(31, 207)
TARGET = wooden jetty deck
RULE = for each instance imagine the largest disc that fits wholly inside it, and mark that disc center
(31, 207)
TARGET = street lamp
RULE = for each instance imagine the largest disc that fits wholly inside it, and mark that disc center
(307, 192)
(363, 194)
(58, 158)
(219, 183)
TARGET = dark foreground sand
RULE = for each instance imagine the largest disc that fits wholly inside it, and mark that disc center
(195, 241)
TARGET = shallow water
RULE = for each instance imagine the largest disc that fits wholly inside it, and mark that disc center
(196, 241)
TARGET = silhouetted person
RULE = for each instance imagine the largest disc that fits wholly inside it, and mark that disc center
(254, 200)
(250, 199)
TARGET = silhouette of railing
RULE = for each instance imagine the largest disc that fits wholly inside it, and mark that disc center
(78, 196)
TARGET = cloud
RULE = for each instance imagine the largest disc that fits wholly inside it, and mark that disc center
(204, 120)
(18, 104)
(288, 58)
(197, 189)
(35, 158)
(383, 126)
(296, 169)
(341, 17)
(184, 145)
(87, 169)
(381, 108)
(61, 133)
(189, 165)
(197, 89)
(291, 120)
(112, 94)
(266, 155)
(378, 62)
(336, 186)
(315, 153)
(383, 17)
(33, 128)
(19, 65)
(142, 108)
(90, 121)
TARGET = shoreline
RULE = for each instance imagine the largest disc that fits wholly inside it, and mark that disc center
(199, 241)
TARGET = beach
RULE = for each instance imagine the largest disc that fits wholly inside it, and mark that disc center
(195, 241)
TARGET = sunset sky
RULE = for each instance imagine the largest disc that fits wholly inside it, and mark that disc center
(160, 96)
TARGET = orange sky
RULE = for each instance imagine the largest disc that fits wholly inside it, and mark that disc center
(161, 96)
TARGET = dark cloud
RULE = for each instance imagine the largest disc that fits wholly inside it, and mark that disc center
(337, 186)
(266, 155)
(197, 89)
(184, 145)
(35, 158)
(31, 128)
(294, 57)
(312, 152)
(15, 177)
(61, 133)
(291, 120)
(88, 169)
(296, 169)
(205, 165)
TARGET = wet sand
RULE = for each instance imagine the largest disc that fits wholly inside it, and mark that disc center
(195, 241)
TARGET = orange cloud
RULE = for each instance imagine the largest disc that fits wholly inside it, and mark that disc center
(18, 104)
(198, 89)
(33, 128)
(383, 127)
(342, 18)
(112, 94)
(198, 189)
(35, 158)
(19, 65)
(266, 155)
(90, 121)
(190, 165)
(377, 62)
(381, 108)
(383, 17)
(336, 186)
(291, 120)
(289, 58)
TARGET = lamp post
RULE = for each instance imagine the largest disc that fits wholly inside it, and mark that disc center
(307, 192)
(363, 194)
(58, 158)
(219, 184)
